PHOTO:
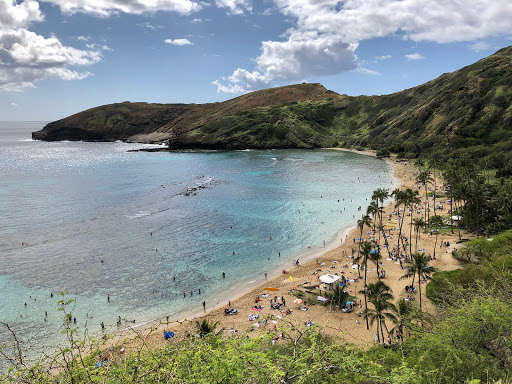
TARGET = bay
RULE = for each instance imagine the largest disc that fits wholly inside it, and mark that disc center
(97, 221)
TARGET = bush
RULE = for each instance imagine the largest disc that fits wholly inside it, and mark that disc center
(383, 152)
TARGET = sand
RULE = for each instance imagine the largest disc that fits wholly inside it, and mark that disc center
(343, 326)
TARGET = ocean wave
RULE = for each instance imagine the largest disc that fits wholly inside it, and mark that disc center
(138, 215)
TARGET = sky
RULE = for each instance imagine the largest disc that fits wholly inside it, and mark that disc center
(60, 57)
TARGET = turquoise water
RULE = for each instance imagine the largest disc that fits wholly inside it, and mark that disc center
(100, 220)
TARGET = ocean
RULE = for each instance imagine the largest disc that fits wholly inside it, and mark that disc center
(99, 221)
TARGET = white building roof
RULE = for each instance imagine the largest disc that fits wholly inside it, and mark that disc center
(329, 279)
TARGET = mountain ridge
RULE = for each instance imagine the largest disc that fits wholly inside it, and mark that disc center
(467, 111)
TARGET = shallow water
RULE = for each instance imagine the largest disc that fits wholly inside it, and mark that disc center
(99, 220)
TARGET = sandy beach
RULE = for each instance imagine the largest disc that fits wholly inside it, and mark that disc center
(344, 326)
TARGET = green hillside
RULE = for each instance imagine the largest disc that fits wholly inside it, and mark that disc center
(464, 112)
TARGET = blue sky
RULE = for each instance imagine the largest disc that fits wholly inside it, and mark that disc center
(59, 57)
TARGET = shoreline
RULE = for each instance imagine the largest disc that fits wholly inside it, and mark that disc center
(274, 278)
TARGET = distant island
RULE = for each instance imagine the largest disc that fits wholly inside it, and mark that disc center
(464, 112)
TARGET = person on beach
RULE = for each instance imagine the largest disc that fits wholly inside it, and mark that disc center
(108, 297)
(223, 275)
(102, 325)
(204, 306)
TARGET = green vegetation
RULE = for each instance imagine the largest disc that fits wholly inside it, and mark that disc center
(469, 340)
(458, 127)
(464, 113)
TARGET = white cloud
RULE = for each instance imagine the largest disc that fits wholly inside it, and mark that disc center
(300, 57)
(384, 57)
(305, 55)
(366, 71)
(267, 12)
(97, 47)
(480, 46)
(14, 105)
(230, 88)
(414, 56)
(441, 21)
(109, 7)
(326, 32)
(13, 15)
(179, 42)
(147, 25)
(83, 38)
(28, 57)
(235, 7)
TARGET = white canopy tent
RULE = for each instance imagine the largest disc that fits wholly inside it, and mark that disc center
(329, 279)
(456, 219)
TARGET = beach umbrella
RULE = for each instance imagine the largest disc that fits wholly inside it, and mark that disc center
(297, 301)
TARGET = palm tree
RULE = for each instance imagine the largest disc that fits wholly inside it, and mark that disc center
(379, 295)
(379, 195)
(436, 222)
(424, 178)
(376, 257)
(435, 165)
(361, 223)
(373, 210)
(364, 221)
(450, 176)
(419, 267)
(377, 289)
(419, 163)
(205, 328)
(418, 223)
(404, 312)
(411, 198)
(401, 198)
(339, 296)
(381, 228)
(366, 249)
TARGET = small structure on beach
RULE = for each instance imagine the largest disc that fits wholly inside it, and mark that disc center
(456, 219)
(329, 280)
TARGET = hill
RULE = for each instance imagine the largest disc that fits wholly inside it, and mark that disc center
(466, 111)
(145, 122)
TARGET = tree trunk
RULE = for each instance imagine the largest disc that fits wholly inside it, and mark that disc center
(410, 231)
(435, 190)
(451, 212)
(382, 331)
(365, 287)
(400, 222)
(378, 334)
(435, 246)
(419, 288)
(426, 202)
